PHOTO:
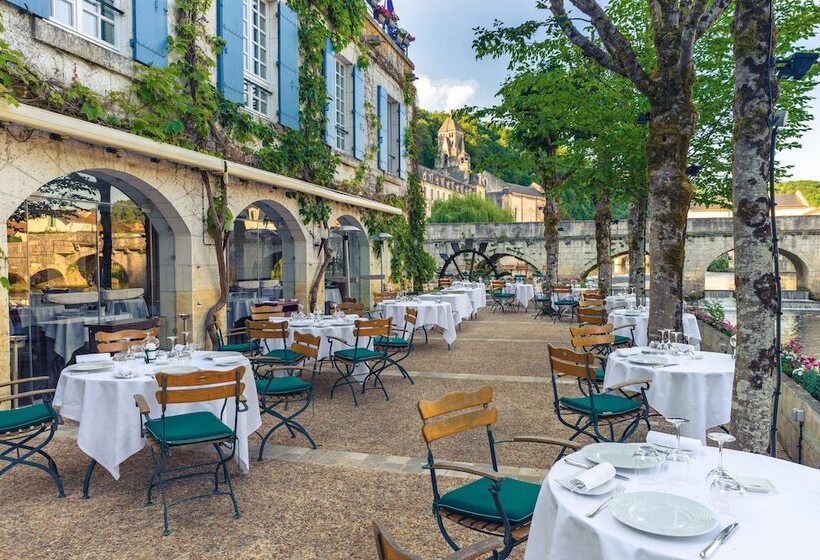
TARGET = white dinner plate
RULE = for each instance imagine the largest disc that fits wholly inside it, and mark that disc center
(663, 514)
(212, 355)
(605, 488)
(631, 312)
(648, 360)
(91, 366)
(619, 455)
(177, 370)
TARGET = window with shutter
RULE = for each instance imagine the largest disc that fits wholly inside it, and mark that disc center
(99, 21)
(329, 71)
(383, 133)
(359, 117)
(230, 63)
(288, 67)
(41, 8)
(258, 80)
(150, 42)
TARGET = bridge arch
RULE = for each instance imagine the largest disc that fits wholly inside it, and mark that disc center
(794, 264)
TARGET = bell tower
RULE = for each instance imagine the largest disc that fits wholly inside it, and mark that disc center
(451, 152)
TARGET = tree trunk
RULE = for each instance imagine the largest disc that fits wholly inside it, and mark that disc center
(670, 193)
(320, 274)
(637, 247)
(755, 286)
(218, 213)
(603, 240)
(552, 217)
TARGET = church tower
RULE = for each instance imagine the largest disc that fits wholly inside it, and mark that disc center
(451, 152)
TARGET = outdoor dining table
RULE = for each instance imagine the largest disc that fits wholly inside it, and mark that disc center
(560, 529)
(109, 430)
(524, 293)
(575, 294)
(620, 302)
(460, 302)
(476, 291)
(699, 390)
(430, 314)
(623, 317)
(71, 333)
(240, 306)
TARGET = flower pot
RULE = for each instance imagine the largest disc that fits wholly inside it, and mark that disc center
(380, 18)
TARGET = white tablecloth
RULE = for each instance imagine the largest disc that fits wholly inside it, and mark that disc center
(700, 390)
(641, 322)
(575, 294)
(430, 314)
(240, 306)
(460, 302)
(523, 292)
(109, 429)
(137, 308)
(621, 302)
(71, 333)
(476, 291)
(561, 531)
(333, 295)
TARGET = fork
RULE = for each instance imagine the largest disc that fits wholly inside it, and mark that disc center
(618, 491)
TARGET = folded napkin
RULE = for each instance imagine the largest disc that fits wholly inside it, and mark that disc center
(669, 440)
(226, 360)
(628, 351)
(101, 357)
(593, 478)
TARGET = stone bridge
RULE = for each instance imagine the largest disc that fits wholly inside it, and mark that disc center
(706, 239)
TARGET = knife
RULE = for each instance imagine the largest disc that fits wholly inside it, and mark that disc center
(585, 466)
(722, 537)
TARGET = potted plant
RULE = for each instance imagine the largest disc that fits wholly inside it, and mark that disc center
(393, 17)
(373, 3)
(381, 13)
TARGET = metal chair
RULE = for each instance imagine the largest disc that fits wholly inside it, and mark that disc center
(21, 428)
(398, 348)
(266, 334)
(598, 316)
(501, 299)
(388, 549)
(594, 409)
(276, 391)
(244, 345)
(193, 428)
(118, 341)
(493, 504)
(563, 302)
(347, 360)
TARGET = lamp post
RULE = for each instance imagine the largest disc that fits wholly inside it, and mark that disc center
(382, 238)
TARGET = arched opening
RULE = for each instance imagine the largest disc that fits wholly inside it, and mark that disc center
(86, 249)
(620, 270)
(261, 257)
(514, 265)
(720, 273)
(349, 269)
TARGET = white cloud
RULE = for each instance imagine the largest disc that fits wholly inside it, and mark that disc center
(445, 95)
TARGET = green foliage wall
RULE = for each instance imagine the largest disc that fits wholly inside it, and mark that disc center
(470, 208)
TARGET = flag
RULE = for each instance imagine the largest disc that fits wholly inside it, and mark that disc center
(390, 6)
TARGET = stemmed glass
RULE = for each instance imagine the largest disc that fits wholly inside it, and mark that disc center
(676, 336)
(678, 454)
(719, 476)
(185, 337)
(127, 341)
(172, 342)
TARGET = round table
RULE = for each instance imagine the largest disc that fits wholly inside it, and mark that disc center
(561, 531)
(71, 333)
(430, 314)
(622, 317)
(621, 302)
(697, 389)
(523, 292)
(460, 302)
(109, 430)
(476, 291)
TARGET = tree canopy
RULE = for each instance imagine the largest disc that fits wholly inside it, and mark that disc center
(470, 208)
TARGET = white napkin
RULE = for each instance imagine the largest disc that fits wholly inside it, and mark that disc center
(101, 357)
(670, 440)
(628, 351)
(226, 360)
(592, 478)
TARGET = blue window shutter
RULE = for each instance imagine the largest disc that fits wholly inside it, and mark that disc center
(288, 67)
(402, 163)
(384, 134)
(230, 67)
(150, 42)
(359, 119)
(41, 8)
(330, 81)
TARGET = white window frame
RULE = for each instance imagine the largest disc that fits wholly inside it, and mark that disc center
(343, 105)
(392, 125)
(79, 9)
(259, 88)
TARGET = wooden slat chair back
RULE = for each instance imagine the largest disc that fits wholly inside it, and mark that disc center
(381, 296)
(199, 386)
(445, 282)
(351, 308)
(434, 428)
(592, 315)
(591, 330)
(564, 361)
(411, 316)
(118, 341)
(350, 300)
(388, 549)
(564, 290)
(590, 340)
(592, 294)
(371, 328)
(498, 284)
(306, 344)
(262, 330)
(265, 312)
(588, 303)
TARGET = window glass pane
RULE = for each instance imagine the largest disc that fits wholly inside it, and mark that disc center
(64, 12)
(90, 24)
(107, 32)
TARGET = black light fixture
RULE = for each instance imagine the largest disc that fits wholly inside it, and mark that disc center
(796, 66)
(692, 170)
(643, 118)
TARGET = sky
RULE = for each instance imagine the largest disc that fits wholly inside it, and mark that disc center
(451, 77)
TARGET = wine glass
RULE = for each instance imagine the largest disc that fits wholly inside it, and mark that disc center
(719, 476)
(127, 341)
(172, 342)
(678, 454)
(185, 335)
(676, 337)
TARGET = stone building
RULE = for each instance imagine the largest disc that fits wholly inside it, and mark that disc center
(453, 176)
(116, 223)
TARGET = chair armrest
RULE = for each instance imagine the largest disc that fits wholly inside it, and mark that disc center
(575, 446)
(6, 398)
(477, 550)
(628, 383)
(243, 403)
(27, 380)
(630, 327)
(476, 472)
(283, 367)
(142, 404)
(343, 341)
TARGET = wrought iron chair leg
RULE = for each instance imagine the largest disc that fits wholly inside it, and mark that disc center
(444, 532)
(87, 478)
(224, 461)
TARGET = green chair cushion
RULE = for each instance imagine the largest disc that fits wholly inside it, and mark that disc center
(286, 356)
(475, 501)
(622, 339)
(24, 417)
(358, 354)
(395, 341)
(542, 298)
(566, 302)
(282, 385)
(193, 427)
(251, 346)
(600, 374)
(503, 295)
(605, 404)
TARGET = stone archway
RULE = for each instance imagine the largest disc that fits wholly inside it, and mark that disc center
(359, 258)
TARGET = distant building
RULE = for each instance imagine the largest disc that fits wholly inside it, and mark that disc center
(453, 176)
(791, 204)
